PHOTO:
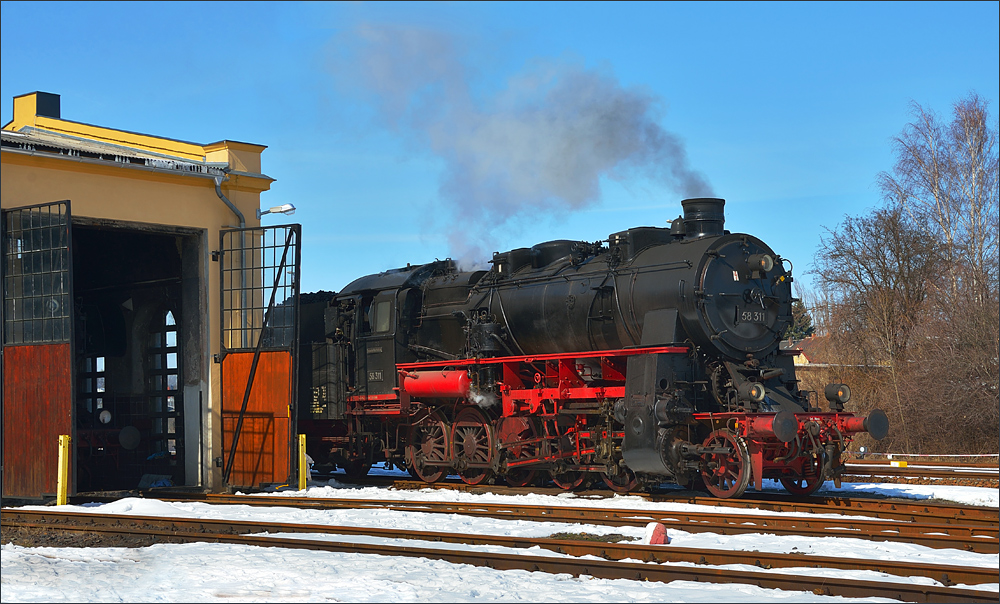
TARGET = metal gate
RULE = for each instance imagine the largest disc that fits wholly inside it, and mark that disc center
(260, 307)
(37, 358)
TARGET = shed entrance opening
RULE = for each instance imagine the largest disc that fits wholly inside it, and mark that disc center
(137, 326)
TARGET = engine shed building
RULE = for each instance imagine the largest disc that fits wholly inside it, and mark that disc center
(140, 297)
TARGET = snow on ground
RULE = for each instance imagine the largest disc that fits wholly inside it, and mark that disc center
(198, 572)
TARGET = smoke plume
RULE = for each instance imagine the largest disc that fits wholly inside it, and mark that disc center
(540, 144)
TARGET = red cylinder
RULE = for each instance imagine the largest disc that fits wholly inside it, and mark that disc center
(876, 424)
(759, 426)
(783, 426)
(435, 384)
(852, 424)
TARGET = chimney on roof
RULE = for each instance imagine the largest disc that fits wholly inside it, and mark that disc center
(47, 105)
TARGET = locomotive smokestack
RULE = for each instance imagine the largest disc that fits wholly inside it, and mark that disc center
(704, 216)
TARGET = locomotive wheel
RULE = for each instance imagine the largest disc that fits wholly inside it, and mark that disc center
(567, 480)
(513, 430)
(811, 480)
(622, 482)
(726, 475)
(428, 452)
(472, 441)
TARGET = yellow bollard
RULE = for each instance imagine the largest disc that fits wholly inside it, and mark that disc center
(62, 473)
(303, 468)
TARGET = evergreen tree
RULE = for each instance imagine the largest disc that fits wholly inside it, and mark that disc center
(801, 326)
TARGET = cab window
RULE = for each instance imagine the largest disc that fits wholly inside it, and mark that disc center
(381, 319)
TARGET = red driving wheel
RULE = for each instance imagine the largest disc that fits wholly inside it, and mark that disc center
(472, 442)
(809, 481)
(428, 450)
(517, 434)
(726, 471)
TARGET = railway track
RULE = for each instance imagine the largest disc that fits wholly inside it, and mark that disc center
(938, 513)
(980, 538)
(889, 509)
(920, 470)
(617, 561)
(961, 465)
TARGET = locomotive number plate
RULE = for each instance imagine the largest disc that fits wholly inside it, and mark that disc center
(375, 376)
(753, 316)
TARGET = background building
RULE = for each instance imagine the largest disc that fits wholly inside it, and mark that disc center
(133, 307)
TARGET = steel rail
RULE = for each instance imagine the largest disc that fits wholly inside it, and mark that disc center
(943, 513)
(889, 509)
(193, 529)
(908, 472)
(980, 538)
(987, 465)
(940, 513)
(783, 502)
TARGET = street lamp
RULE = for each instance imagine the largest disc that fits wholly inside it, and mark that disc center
(287, 209)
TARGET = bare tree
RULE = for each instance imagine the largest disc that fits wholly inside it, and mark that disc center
(818, 304)
(878, 268)
(913, 287)
(946, 178)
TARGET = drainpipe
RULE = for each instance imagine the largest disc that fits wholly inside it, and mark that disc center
(218, 191)
(243, 274)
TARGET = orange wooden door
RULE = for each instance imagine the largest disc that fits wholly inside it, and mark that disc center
(260, 290)
(263, 454)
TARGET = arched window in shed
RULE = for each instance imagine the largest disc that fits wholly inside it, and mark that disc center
(164, 391)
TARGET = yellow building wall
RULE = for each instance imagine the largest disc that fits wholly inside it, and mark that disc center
(124, 194)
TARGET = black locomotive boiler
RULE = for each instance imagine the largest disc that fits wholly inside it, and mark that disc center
(650, 357)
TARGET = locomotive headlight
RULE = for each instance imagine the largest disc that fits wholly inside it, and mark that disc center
(760, 262)
(751, 391)
(837, 393)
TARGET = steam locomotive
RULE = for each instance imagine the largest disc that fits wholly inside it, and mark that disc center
(647, 358)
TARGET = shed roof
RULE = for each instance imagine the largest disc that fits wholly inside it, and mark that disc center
(34, 141)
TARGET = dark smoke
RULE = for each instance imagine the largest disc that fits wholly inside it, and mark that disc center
(540, 144)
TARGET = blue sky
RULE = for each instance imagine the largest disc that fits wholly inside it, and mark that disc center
(786, 110)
